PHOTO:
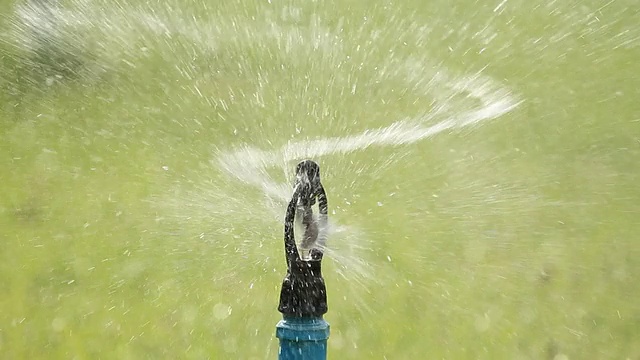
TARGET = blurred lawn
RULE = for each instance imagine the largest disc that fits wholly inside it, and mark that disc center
(514, 239)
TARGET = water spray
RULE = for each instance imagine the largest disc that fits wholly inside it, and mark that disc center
(303, 332)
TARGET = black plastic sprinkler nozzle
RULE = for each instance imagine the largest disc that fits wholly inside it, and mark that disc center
(303, 292)
(303, 332)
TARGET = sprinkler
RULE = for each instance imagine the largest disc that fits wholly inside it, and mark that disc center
(303, 332)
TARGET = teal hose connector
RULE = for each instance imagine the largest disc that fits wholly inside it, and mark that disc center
(302, 338)
(303, 332)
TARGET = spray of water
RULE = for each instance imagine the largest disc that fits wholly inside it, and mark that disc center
(89, 41)
(250, 165)
(455, 101)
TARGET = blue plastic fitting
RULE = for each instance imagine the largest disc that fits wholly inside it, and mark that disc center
(302, 338)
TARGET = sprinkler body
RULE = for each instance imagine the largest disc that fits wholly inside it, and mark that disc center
(303, 332)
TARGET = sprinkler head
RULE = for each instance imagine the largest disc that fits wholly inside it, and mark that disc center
(308, 180)
(310, 170)
(303, 292)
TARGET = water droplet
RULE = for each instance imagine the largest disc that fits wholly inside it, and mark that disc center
(221, 311)
(483, 323)
(58, 324)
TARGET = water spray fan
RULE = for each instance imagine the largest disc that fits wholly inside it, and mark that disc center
(303, 332)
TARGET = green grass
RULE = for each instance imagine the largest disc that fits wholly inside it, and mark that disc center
(512, 239)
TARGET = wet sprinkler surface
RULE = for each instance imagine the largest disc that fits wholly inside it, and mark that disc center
(480, 162)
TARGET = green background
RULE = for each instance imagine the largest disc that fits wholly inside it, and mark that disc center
(122, 237)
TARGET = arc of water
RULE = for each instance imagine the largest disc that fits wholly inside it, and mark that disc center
(249, 164)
